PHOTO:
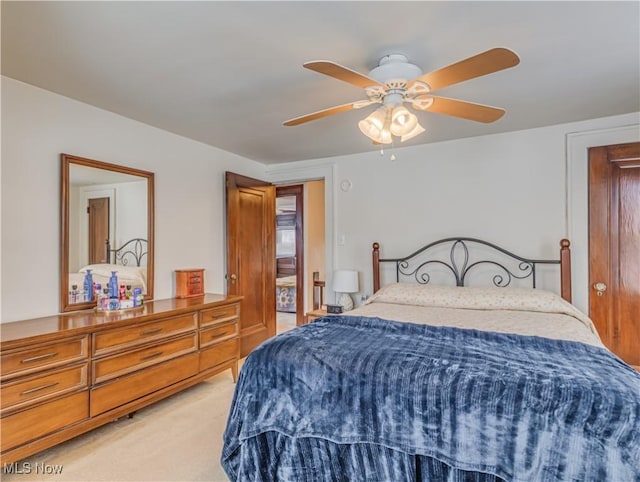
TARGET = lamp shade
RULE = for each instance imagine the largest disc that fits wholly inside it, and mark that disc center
(402, 121)
(345, 281)
(418, 129)
(376, 127)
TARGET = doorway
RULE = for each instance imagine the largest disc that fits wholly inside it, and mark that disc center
(251, 251)
(290, 251)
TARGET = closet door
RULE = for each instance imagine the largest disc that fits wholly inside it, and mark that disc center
(614, 247)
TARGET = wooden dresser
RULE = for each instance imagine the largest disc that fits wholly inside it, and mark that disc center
(64, 375)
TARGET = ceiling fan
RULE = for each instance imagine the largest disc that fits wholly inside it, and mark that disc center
(396, 81)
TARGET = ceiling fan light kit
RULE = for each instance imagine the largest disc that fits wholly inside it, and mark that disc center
(388, 121)
(396, 81)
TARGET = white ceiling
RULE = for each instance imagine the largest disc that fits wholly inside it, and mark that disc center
(229, 73)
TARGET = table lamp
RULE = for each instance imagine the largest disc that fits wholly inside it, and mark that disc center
(345, 282)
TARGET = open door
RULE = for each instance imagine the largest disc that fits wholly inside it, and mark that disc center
(251, 256)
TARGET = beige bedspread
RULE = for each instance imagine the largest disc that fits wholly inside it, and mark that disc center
(288, 281)
(504, 310)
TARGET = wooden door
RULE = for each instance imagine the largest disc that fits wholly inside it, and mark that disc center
(98, 211)
(614, 247)
(251, 256)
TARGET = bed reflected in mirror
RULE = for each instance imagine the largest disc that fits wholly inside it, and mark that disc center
(107, 228)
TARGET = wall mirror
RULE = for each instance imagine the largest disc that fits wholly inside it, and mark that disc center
(107, 226)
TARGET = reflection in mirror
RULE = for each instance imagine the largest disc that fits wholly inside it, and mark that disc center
(107, 227)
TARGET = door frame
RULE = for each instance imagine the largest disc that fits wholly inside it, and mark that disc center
(297, 190)
(284, 175)
(621, 130)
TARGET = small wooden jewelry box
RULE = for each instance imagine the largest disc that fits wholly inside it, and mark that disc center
(189, 282)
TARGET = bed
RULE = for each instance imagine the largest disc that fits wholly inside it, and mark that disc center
(286, 294)
(128, 261)
(429, 382)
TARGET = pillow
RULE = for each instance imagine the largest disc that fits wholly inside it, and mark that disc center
(132, 275)
(475, 298)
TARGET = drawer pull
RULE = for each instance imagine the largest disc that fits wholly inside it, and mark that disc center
(153, 331)
(221, 315)
(155, 354)
(37, 389)
(40, 357)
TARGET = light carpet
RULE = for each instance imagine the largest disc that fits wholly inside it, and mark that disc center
(176, 439)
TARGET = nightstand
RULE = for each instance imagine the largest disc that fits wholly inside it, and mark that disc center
(312, 315)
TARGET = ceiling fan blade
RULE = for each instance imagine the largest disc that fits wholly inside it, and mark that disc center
(482, 64)
(319, 114)
(341, 73)
(460, 108)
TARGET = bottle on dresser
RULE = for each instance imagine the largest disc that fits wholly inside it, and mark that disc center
(113, 285)
(73, 294)
(88, 286)
(137, 297)
(114, 302)
(103, 300)
(97, 291)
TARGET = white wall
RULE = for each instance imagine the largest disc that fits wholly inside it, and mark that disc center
(516, 189)
(37, 126)
(314, 246)
(510, 189)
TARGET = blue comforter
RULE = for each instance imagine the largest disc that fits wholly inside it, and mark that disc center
(355, 398)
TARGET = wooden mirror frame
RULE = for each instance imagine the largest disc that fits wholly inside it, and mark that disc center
(66, 161)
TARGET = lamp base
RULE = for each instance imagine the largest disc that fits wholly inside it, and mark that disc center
(346, 301)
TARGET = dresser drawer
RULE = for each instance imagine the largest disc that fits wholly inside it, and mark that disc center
(117, 339)
(118, 365)
(219, 314)
(126, 389)
(220, 353)
(30, 390)
(44, 419)
(42, 357)
(218, 333)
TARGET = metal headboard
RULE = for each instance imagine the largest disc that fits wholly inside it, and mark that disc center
(462, 263)
(133, 251)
